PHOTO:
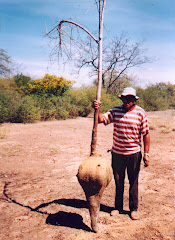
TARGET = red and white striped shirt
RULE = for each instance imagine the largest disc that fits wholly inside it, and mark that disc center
(128, 127)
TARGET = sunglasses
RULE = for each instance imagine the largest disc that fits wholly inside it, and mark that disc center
(129, 98)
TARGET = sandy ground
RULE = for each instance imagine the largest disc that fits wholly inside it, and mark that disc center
(40, 197)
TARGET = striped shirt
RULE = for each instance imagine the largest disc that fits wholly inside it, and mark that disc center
(128, 127)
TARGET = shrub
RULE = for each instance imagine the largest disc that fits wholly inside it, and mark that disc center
(28, 111)
(140, 93)
(65, 108)
(109, 101)
(62, 113)
(7, 83)
(81, 98)
(17, 106)
(47, 106)
(155, 99)
(9, 103)
(50, 85)
(21, 82)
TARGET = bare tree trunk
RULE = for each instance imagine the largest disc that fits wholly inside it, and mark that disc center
(98, 96)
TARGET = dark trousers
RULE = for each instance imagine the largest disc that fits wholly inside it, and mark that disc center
(119, 164)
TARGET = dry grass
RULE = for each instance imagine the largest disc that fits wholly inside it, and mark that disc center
(156, 122)
(4, 132)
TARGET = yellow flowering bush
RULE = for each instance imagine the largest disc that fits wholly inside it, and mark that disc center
(50, 84)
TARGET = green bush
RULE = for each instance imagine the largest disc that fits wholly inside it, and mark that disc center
(47, 106)
(82, 99)
(109, 101)
(17, 106)
(53, 107)
(9, 103)
(156, 97)
(170, 91)
(7, 83)
(65, 108)
(28, 111)
(62, 113)
(22, 80)
(154, 100)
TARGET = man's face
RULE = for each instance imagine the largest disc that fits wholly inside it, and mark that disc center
(128, 101)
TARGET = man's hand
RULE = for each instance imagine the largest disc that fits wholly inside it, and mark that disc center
(146, 160)
(146, 141)
(96, 104)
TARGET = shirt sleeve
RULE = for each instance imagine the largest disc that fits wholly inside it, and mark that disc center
(108, 117)
(144, 125)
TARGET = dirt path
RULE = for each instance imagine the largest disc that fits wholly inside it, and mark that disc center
(40, 197)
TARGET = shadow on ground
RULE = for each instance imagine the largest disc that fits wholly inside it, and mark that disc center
(76, 203)
(72, 220)
(67, 219)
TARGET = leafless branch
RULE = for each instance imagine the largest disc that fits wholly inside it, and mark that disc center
(118, 54)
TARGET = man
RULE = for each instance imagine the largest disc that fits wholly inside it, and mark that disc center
(130, 122)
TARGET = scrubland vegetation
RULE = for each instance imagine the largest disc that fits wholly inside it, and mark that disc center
(25, 100)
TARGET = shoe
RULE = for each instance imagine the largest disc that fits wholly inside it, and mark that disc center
(116, 212)
(134, 215)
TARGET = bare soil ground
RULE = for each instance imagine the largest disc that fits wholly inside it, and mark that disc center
(40, 197)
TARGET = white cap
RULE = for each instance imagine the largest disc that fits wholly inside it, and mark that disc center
(129, 91)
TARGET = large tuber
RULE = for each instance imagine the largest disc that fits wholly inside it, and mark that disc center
(94, 175)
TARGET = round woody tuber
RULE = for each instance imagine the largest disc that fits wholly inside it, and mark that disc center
(94, 175)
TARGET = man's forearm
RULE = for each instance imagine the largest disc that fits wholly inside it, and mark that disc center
(96, 106)
(100, 117)
(146, 142)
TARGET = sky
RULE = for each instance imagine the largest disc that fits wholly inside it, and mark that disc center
(24, 23)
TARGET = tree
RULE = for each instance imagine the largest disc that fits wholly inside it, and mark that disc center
(117, 87)
(7, 83)
(50, 85)
(119, 54)
(21, 80)
(156, 97)
(4, 63)
(170, 89)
